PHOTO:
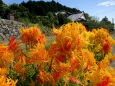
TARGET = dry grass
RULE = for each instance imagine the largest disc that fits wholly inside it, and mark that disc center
(49, 40)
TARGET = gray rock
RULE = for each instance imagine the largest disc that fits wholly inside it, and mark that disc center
(9, 28)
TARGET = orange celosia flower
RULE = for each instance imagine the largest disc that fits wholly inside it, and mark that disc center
(107, 46)
(45, 77)
(4, 81)
(31, 36)
(13, 45)
(103, 64)
(19, 67)
(3, 71)
(74, 64)
(69, 59)
(38, 54)
(6, 56)
(105, 82)
(56, 75)
(61, 71)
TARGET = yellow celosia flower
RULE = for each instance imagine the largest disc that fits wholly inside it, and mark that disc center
(77, 47)
(86, 59)
(104, 63)
(113, 57)
(68, 36)
(103, 77)
(104, 74)
(102, 41)
(100, 35)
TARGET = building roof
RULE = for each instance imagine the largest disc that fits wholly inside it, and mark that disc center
(63, 12)
(77, 17)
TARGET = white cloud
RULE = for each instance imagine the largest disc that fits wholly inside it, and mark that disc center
(107, 3)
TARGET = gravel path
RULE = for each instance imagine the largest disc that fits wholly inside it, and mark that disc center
(113, 51)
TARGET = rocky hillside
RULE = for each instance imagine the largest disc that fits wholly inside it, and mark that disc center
(9, 28)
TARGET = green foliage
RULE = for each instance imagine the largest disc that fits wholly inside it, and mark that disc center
(51, 17)
(39, 12)
(105, 23)
(62, 19)
(19, 11)
(46, 30)
(93, 22)
(42, 8)
(30, 70)
(31, 75)
(1, 2)
(43, 13)
(98, 57)
(25, 20)
(1, 8)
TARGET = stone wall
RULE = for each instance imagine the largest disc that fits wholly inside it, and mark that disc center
(9, 28)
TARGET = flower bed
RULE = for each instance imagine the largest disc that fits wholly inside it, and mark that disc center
(76, 58)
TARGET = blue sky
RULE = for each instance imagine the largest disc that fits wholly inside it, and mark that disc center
(98, 8)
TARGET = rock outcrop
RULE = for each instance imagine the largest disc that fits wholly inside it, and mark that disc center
(9, 28)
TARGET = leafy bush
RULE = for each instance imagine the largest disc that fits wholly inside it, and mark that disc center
(76, 57)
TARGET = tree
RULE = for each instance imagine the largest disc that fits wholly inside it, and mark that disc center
(62, 19)
(105, 20)
(105, 23)
(1, 2)
(1, 8)
(14, 6)
(51, 18)
(93, 22)
(6, 11)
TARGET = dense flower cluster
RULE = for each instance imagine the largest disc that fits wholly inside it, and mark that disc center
(31, 36)
(76, 58)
